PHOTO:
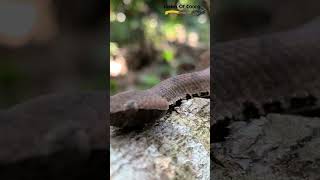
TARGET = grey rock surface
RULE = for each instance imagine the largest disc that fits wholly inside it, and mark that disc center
(176, 147)
(272, 147)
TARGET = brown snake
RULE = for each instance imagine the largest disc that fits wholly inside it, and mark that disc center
(258, 70)
(271, 73)
(134, 108)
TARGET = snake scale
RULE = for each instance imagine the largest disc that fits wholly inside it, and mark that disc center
(277, 72)
(264, 71)
(134, 108)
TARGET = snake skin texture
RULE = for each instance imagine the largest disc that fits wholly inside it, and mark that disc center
(135, 108)
(267, 71)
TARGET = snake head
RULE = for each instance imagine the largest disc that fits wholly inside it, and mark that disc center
(136, 108)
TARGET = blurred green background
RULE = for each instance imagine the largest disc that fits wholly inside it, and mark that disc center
(147, 46)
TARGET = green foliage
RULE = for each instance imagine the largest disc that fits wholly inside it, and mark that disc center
(141, 17)
(168, 55)
(9, 75)
(113, 48)
(149, 80)
(143, 24)
(113, 86)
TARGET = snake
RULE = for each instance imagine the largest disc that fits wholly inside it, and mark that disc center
(136, 108)
(50, 124)
(263, 74)
(277, 72)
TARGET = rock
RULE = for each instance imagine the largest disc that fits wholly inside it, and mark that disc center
(175, 147)
(272, 147)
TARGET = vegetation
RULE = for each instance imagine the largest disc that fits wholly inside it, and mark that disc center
(148, 45)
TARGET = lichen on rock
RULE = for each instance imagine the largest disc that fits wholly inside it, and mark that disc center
(176, 147)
